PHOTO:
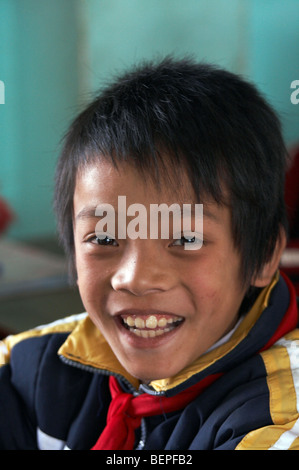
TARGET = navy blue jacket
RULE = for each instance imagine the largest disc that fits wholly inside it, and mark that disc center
(54, 389)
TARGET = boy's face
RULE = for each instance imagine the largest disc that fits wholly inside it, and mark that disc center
(159, 306)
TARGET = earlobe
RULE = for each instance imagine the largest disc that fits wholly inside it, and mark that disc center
(266, 274)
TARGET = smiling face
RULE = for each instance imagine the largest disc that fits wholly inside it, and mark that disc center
(158, 305)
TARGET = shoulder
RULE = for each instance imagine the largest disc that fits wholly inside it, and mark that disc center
(34, 337)
(32, 360)
(38, 390)
(282, 365)
(35, 370)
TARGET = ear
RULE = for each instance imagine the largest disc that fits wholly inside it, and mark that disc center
(266, 274)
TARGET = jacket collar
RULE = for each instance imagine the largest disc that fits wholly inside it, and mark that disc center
(86, 346)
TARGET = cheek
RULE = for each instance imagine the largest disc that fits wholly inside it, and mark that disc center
(86, 266)
(91, 286)
(208, 300)
(213, 287)
(202, 279)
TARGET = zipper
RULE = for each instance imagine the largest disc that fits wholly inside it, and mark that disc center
(150, 391)
(132, 389)
(93, 370)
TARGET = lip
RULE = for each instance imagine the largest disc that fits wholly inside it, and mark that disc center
(149, 342)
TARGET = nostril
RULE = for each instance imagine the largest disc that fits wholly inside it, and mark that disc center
(137, 285)
(140, 275)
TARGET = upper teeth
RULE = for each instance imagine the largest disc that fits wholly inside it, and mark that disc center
(150, 322)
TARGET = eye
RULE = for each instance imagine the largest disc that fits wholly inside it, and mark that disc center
(184, 240)
(103, 241)
(191, 242)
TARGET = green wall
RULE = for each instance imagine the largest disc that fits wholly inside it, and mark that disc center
(273, 56)
(55, 53)
(39, 66)
(257, 38)
(122, 32)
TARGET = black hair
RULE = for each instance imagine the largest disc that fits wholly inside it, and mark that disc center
(207, 120)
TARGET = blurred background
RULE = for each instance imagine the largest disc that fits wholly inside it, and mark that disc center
(55, 54)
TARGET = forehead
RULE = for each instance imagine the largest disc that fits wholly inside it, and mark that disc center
(104, 183)
(105, 180)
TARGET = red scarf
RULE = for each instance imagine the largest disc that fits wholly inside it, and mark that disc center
(126, 412)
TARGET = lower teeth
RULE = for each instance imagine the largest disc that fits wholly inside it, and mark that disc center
(149, 333)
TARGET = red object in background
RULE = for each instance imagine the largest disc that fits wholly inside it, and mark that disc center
(292, 194)
(6, 216)
(292, 205)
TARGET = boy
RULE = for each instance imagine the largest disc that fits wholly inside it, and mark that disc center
(189, 339)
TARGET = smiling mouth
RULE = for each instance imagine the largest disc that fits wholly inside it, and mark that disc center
(150, 326)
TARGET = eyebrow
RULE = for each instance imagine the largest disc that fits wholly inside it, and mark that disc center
(87, 213)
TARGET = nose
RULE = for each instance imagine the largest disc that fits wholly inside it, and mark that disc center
(143, 271)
